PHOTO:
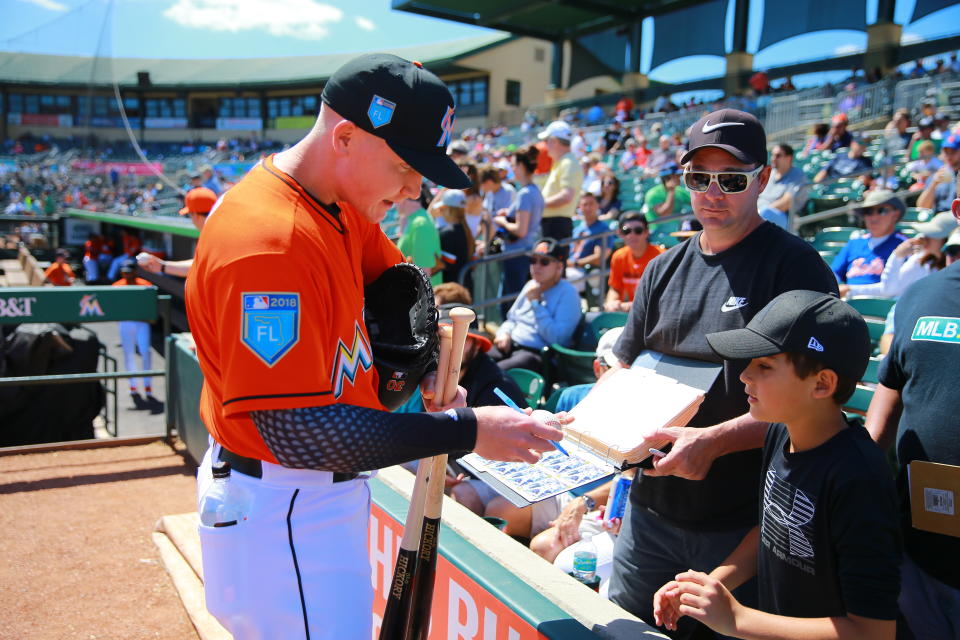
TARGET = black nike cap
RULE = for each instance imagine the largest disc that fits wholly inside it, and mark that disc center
(737, 132)
(404, 104)
(819, 325)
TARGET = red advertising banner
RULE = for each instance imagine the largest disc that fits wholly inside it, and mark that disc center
(462, 609)
(128, 168)
(40, 119)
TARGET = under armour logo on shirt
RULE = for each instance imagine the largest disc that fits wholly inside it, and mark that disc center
(733, 303)
(814, 344)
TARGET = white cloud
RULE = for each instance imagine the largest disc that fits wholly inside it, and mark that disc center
(365, 23)
(306, 19)
(847, 49)
(910, 38)
(52, 5)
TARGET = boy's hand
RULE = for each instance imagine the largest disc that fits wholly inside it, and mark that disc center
(666, 606)
(706, 599)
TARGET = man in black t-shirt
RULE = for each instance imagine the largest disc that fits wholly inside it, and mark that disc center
(916, 401)
(695, 506)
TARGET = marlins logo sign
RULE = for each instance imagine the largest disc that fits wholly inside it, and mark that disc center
(348, 362)
(90, 306)
(271, 324)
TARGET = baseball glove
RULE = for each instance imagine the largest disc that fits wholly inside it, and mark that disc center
(401, 320)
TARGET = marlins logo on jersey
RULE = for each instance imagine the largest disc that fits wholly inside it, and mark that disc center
(271, 324)
(348, 362)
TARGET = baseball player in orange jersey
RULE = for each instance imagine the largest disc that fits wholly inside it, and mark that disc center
(275, 303)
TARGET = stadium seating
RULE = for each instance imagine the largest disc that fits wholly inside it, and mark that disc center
(569, 366)
(606, 321)
(530, 382)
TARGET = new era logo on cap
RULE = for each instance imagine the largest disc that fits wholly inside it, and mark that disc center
(814, 344)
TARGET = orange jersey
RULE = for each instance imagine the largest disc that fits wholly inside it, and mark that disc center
(59, 274)
(93, 248)
(275, 304)
(136, 283)
(625, 270)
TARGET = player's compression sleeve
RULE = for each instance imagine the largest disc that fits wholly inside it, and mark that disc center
(346, 438)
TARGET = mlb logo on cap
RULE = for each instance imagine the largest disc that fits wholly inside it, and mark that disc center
(380, 111)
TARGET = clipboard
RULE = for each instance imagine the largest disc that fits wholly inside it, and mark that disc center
(934, 489)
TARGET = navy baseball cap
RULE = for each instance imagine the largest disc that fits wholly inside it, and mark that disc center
(404, 104)
(737, 132)
(952, 141)
(816, 324)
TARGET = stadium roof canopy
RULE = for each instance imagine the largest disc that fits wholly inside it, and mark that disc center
(33, 69)
(547, 19)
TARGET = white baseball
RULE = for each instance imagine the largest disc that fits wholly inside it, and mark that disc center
(546, 418)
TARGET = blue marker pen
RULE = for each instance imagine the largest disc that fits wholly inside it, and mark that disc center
(513, 405)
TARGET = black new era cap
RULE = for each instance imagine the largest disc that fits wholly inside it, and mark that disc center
(736, 132)
(819, 325)
(403, 103)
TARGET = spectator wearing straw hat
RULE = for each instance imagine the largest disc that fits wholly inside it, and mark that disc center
(862, 259)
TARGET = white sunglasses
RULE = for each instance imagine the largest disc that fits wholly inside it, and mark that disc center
(727, 181)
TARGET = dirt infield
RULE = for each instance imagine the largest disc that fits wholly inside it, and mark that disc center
(77, 559)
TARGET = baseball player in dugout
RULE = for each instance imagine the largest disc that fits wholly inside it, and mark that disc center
(276, 304)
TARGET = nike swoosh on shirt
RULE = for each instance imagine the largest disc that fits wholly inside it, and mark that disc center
(707, 127)
(730, 307)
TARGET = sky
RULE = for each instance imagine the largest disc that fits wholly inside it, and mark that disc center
(263, 28)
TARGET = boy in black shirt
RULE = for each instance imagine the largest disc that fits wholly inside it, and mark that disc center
(827, 551)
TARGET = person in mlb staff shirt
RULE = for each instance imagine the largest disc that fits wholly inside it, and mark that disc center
(275, 302)
(693, 508)
(915, 408)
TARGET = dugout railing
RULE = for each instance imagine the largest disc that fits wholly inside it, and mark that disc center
(83, 305)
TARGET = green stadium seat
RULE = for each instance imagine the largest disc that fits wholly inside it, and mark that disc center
(872, 307)
(606, 321)
(551, 403)
(571, 366)
(871, 374)
(875, 327)
(916, 214)
(859, 401)
(530, 382)
(834, 234)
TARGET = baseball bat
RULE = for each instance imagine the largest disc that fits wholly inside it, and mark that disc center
(425, 576)
(397, 614)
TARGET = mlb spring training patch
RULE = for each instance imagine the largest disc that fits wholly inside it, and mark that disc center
(937, 329)
(271, 324)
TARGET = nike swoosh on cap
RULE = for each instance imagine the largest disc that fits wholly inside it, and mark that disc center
(707, 127)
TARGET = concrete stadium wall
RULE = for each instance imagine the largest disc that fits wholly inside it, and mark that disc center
(588, 88)
(515, 60)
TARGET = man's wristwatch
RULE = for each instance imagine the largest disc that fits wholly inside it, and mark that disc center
(163, 267)
(589, 503)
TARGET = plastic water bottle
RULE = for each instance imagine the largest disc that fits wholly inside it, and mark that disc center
(225, 503)
(585, 559)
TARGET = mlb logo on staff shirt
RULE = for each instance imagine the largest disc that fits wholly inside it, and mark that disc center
(814, 344)
(271, 324)
(380, 111)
